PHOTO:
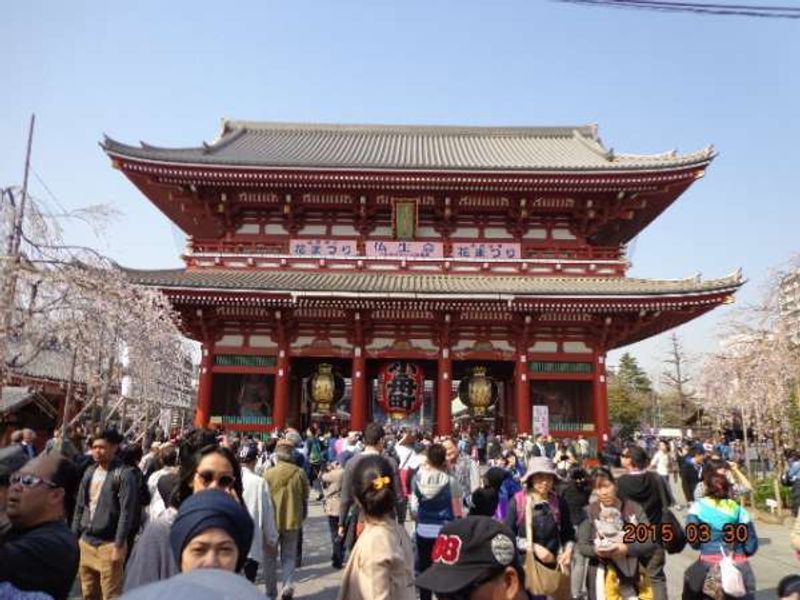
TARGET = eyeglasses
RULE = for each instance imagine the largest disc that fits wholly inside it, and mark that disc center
(625, 455)
(28, 480)
(223, 481)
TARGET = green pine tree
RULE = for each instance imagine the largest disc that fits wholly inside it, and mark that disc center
(629, 389)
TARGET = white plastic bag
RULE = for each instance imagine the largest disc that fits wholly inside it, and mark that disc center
(731, 577)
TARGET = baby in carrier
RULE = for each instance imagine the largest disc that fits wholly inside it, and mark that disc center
(610, 529)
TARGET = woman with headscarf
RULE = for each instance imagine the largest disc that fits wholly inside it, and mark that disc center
(210, 467)
(211, 531)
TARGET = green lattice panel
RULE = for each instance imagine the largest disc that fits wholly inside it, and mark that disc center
(538, 366)
(241, 360)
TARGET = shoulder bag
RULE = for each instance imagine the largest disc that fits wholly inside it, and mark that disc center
(539, 578)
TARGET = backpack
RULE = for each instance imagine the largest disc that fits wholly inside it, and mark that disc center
(315, 454)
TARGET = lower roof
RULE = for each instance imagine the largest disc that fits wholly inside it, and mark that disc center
(478, 287)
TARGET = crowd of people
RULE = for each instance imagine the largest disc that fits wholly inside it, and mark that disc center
(470, 517)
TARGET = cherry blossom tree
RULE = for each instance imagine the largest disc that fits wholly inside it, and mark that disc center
(753, 378)
(71, 299)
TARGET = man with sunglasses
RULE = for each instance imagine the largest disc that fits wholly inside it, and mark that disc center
(41, 553)
(475, 558)
(105, 514)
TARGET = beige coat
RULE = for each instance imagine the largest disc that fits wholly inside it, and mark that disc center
(381, 566)
(332, 491)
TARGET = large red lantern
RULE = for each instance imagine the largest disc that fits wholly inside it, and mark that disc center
(402, 385)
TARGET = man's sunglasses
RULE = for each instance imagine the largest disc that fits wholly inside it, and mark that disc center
(223, 481)
(28, 480)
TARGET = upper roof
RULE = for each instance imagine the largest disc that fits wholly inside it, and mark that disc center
(346, 284)
(408, 147)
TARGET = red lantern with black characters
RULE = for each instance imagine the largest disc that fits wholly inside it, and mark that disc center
(401, 388)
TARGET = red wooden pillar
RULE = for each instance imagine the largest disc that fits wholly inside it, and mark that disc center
(358, 391)
(444, 394)
(281, 404)
(600, 401)
(204, 387)
(522, 385)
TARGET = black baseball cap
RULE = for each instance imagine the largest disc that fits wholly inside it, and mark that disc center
(469, 551)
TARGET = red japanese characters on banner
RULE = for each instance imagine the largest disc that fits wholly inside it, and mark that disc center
(401, 388)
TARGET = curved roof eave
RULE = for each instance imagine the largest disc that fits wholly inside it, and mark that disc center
(496, 150)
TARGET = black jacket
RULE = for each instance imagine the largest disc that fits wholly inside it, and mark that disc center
(577, 499)
(117, 507)
(548, 531)
(42, 559)
(689, 478)
(643, 488)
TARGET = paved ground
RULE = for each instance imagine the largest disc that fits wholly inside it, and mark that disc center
(318, 581)
(316, 578)
(774, 560)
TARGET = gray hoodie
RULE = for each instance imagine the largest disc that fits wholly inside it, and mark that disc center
(430, 482)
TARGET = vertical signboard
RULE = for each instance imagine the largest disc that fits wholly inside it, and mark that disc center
(405, 219)
(541, 419)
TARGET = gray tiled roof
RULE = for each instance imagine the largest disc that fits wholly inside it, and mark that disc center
(46, 363)
(425, 284)
(14, 397)
(404, 147)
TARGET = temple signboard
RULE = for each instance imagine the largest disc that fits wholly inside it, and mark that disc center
(394, 249)
(323, 247)
(487, 250)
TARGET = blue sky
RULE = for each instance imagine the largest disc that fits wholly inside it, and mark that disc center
(166, 72)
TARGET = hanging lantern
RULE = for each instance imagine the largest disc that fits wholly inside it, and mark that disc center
(478, 391)
(401, 388)
(325, 388)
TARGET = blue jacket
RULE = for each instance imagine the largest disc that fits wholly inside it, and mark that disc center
(713, 524)
(437, 510)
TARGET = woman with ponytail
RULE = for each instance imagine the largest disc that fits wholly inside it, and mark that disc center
(381, 565)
